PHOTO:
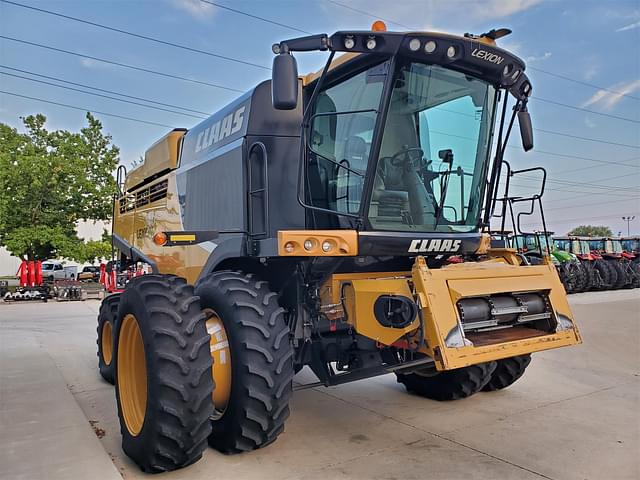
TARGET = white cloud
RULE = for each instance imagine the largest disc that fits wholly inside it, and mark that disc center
(434, 15)
(491, 9)
(94, 64)
(591, 71)
(610, 97)
(197, 9)
(539, 58)
(631, 26)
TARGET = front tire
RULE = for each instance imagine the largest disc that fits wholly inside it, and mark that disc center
(450, 384)
(507, 372)
(261, 360)
(106, 327)
(163, 371)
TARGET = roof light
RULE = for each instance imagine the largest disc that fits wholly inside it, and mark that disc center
(308, 244)
(349, 42)
(378, 26)
(326, 246)
(430, 46)
(371, 43)
(451, 51)
(289, 247)
(414, 44)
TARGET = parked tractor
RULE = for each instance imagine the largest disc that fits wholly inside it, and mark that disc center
(601, 275)
(627, 273)
(572, 274)
(337, 221)
(632, 245)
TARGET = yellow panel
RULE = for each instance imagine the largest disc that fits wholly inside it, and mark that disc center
(161, 156)
(440, 289)
(360, 296)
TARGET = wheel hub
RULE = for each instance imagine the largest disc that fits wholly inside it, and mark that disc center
(132, 375)
(222, 373)
(106, 343)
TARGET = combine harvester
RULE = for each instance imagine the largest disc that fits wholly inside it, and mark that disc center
(339, 221)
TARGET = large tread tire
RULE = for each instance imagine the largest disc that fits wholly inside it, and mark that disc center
(507, 372)
(107, 315)
(587, 277)
(178, 373)
(606, 274)
(261, 360)
(620, 274)
(450, 384)
(635, 269)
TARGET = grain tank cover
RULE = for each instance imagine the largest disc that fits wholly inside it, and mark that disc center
(161, 157)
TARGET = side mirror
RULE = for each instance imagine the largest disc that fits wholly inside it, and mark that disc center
(284, 82)
(526, 130)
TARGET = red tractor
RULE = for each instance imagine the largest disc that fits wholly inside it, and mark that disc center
(627, 273)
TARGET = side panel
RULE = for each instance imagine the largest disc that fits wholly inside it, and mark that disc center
(284, 212)
(212, 193)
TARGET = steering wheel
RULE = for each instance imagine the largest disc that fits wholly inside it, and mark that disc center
(407, 156)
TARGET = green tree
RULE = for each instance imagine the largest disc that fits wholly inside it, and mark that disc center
(49, 181)
(591, 231)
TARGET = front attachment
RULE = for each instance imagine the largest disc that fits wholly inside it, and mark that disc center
(484, 311)
(461, 314)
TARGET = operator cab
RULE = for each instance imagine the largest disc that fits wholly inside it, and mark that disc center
(397, 134)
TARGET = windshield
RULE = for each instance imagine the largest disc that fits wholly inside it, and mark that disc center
(47, 266)
(584, 247)
(542, 238)
(630, 245)
(614, 246)
(430, 174)
(563, 244)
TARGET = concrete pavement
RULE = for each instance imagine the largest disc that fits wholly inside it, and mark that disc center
(574, 415)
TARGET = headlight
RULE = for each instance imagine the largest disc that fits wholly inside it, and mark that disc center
(414, 44)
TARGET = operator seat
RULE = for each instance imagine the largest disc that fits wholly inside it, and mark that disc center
(399, 190)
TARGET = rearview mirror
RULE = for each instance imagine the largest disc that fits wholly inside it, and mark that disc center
(284, 82)
(526, 130)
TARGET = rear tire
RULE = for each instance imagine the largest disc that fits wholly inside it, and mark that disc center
(106, 327)
(450, 384)
(620, 274)
(606, 274)
(507, 372)
(261, 360)
(163, 371)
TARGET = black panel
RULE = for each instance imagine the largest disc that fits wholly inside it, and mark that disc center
(212, 194)
(266, 120)
(284, 211)
(412, 244)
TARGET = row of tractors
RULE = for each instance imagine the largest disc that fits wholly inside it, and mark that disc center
(585, 263)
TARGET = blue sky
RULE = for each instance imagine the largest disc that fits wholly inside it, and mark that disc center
(594, 42)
